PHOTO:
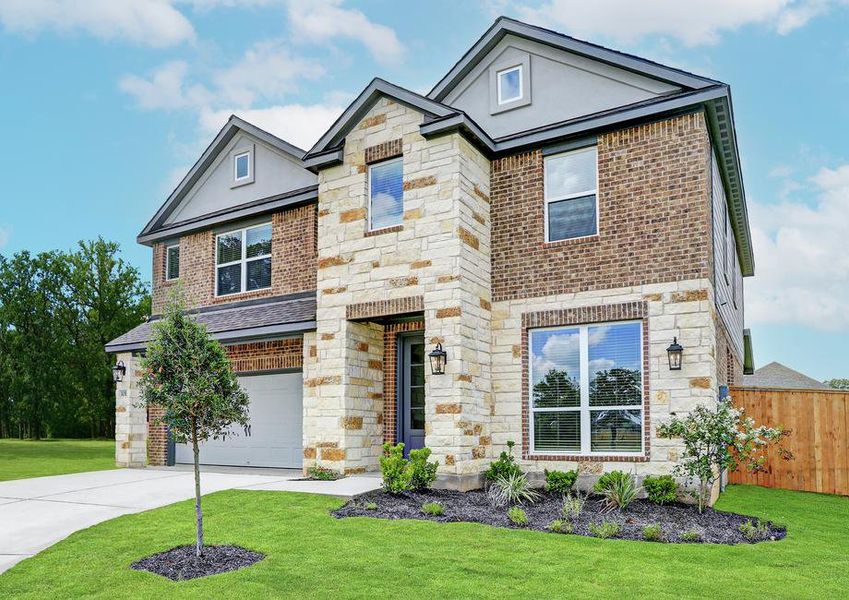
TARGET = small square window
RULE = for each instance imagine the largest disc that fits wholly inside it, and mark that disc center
(242, 166)
(243, 260)
(510, 85)
(386, 194)
(172, 262)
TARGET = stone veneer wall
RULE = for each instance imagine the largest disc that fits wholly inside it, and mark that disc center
(130, 420)
(293, 262)
(441, 253)
(684, 309)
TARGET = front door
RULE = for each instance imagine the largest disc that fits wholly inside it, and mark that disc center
(411, 391)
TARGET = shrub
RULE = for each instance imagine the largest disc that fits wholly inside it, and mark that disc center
(652, 533)
(517, 516)
(371, 506)
(560, 526)
(619, 491)
(504, 466)
(560, 482)
(434, 509)
(608, 480)
(691, 536)
(572, 506)
(605, 529)
(400, 475)
(513, 489)
(323, 473)
(422, 473)
(717, 440)
(754, 531)
(661, 490)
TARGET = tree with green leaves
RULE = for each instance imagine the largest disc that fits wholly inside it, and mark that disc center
(556, 389)
(187, 374)
(837, 384)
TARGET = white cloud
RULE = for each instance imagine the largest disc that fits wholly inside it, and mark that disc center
(165, 89)
(692, 23)
(325, 20)
(147, 22)
(601, 364)
(802, 266)
(5, 234)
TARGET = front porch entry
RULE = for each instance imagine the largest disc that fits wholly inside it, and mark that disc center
(410, 395)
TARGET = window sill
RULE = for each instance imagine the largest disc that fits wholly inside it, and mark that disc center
(587, 239)
(239, 296)
(391, 229)
(641, 457)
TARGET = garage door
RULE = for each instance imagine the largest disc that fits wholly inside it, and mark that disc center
(276, 427)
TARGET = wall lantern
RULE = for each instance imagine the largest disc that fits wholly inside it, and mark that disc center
(438, 358)
(118, 372)
(675, 351)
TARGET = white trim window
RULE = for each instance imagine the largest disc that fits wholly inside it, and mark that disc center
(585, 391)
(243, 260)
(571, 201)
(172, 262)
(242, 166)
(386, 194)
(509, 83)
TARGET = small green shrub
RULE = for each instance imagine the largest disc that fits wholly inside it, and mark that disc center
(434, 509)
(422, 473)
(754, 531)
(371, 506)
(512, 489)
(517, 516)
(323, 474)
(652, 533)
(661, 490)
(573, 506)
(608, 480)
(605, 529)
(620, 490)
(400, 474)
(561, 526)
(505, 466)
(560, 482)
(691, 536)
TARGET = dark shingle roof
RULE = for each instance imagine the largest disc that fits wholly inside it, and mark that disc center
(274, 316)
(776, 375)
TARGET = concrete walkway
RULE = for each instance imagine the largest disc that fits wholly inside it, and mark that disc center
(37, 513)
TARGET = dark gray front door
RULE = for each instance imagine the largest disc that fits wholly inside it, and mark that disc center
(411, 391)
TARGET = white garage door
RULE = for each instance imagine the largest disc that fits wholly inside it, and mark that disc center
(276, 427)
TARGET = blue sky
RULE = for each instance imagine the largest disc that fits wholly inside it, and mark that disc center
(107, 103)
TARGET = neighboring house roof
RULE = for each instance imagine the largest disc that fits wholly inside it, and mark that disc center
(776, 375)
(240, 321)
(157, 229)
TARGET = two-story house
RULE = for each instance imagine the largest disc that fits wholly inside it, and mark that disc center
(552, 216)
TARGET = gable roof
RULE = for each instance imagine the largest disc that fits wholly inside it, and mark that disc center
(155, 227)
(776, 375)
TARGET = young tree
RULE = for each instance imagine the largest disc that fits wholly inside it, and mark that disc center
(716, 440)
(187, 374)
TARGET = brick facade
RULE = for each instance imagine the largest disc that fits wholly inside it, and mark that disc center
(654, 216)
(293, 262)
(390, 375)
(273, 355)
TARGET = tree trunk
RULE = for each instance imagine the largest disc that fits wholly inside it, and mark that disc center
(198, 512)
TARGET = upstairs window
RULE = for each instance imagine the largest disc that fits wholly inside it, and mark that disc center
(510, 85)
(586, 389)
(571, 207)
(243, 260)
(242, 166)
(172, 262)
(386, 194)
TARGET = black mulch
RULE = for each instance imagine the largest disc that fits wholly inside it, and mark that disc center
(180, 563)
(675, 519)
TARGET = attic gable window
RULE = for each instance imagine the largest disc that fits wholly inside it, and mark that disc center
(510, 85)
(571, 203)
(172, 262)
(242, 166)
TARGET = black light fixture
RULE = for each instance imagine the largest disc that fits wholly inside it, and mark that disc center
(675, 351)
(118, 372)
(438, 357)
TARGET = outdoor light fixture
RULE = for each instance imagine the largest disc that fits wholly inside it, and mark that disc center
(437, 360)
(675, 351)
(118, 372)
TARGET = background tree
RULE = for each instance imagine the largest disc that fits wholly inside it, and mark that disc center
(556, 389)
(838, 384)
(187, 374)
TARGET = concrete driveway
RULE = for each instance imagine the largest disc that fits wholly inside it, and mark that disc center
(37, 513)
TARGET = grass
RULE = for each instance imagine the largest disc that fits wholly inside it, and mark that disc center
(21, 459)
(312, 555)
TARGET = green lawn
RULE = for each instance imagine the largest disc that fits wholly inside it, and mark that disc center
(20, 459)
(312, 555)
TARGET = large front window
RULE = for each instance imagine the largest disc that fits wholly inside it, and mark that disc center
(571, 210)
(243, 260)
(586, 389)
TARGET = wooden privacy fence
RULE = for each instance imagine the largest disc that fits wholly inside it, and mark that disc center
(819, 438)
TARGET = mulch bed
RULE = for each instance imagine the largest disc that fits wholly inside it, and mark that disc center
(180, 563)
(675, 519)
